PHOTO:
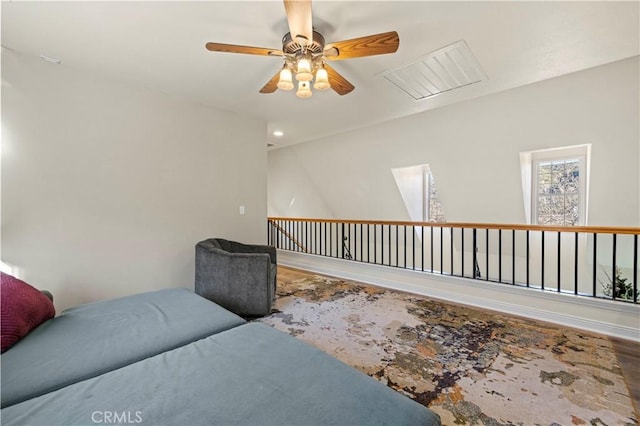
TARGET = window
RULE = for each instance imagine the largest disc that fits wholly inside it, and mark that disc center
(419, 194)
(432, 207)
(557, 185)
(558, 192)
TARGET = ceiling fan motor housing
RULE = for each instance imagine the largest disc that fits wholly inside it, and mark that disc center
(293, 47)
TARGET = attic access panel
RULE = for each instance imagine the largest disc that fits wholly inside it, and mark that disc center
(445, 69)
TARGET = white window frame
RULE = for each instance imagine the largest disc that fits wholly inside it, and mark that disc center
(530, 162)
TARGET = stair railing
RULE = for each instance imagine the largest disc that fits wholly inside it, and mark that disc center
(588, 261)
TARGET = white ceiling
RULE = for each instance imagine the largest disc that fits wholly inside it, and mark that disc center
(160, 45)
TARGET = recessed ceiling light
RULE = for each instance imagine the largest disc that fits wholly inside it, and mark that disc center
(278, 133)
(50, 59)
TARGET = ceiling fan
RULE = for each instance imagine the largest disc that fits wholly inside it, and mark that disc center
(305, 53)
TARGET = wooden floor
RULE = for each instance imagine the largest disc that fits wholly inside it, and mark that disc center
(627, 352)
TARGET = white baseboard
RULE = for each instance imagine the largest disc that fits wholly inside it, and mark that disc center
(596, 315)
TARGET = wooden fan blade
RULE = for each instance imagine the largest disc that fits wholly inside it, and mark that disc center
(249, 50)
(338, 82)
(300, 20)
(272, 85)
(377, 44)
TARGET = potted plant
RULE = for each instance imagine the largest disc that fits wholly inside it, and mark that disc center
(623, 287)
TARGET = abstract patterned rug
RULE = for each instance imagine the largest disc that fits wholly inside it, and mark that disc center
(472, 367)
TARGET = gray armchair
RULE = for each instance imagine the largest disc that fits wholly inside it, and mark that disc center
(239, 277)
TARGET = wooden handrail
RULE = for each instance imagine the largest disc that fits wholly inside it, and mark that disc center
(516, 227)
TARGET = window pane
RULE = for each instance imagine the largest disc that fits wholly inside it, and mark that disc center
(558, 192)
(435, 212)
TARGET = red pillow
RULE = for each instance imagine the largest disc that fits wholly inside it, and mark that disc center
(23, 309)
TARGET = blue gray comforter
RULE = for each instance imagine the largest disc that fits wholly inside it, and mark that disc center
(248, 375)
(95, 338)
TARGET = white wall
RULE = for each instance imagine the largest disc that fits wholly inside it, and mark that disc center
(294, 199)
(473, 149)
(107, 188)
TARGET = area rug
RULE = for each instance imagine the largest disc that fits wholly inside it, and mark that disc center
(472, 367)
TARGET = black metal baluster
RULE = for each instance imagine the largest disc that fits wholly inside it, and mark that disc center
(375, 244)
(613, 263)
(635, 268)
(331, 244)
(413, 247)
(389, 227)
(486, 248)
(542, 257)
(422, 246)
(361, 243)
(441, 251)
(288, 228)
(282, 234)
(397, 247)
(559, 271)
(500, 255)
(352, 248)
(323, 250)
(382, 244)
(340, 240)
(475, 256)
(349, 243)
(527, 258)
(575, 264)
(431, 246)
(513, 257)
(451, 249)
(294, 246)
(368, 244)
(404, 231)
(462, 251)
(595, 255)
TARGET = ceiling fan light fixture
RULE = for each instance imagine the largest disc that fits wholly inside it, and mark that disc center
(286, 81)
(303, 73)
(304, 90)
(322, 80)
(304, 52)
